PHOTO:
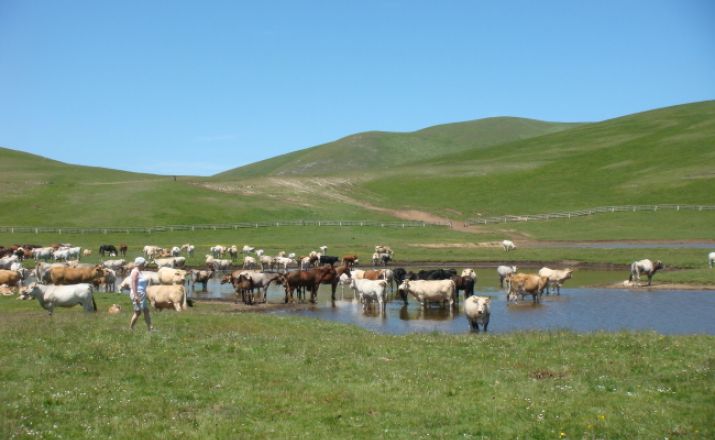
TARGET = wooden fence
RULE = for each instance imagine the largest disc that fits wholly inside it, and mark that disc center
(585, 212)
(213, 227)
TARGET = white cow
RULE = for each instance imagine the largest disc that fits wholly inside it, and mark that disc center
(249, 262)
(477, 309)
(217, 264)
(284, 262)
(260, 252)
(166, 297)
(189, 249)
(172, 262)
(7, 262)
(217, 251)
(370, 291)
(168, 276)
(69, 295)
(644, 266)
(323, 249)
(504, 272)
(556, 278)
(508, 245)
(175, 251)
(150, 251)
(44, 253)
(117, 265)
(110, 280)
(266, 262)
(711, 259)
(426, 291)
(471, 273)
(247, 249)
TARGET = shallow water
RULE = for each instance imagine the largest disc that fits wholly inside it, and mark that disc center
(580, 309)
(630, 245)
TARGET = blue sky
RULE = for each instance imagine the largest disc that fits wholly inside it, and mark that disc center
(184, 87)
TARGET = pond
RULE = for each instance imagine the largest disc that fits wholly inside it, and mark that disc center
(581, 309)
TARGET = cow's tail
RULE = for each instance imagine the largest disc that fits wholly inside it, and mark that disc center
(94, 303)
(183, 302)
(453, 285)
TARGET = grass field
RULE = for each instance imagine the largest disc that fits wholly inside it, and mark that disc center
(210, 373)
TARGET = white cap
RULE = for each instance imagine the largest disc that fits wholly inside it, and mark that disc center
(138, 261)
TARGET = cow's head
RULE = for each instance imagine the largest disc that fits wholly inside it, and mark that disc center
(482, 304)
(28, 292)
(658, 265)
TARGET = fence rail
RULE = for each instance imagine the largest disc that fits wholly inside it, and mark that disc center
(585, 212)
(213, 227)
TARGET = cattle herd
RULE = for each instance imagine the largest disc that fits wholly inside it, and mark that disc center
(58, 278)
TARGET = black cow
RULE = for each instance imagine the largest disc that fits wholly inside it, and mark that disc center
(463, 283)
(108, 249)
(436, 274)
(326, 259)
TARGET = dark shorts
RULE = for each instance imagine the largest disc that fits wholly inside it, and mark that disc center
(141, 305)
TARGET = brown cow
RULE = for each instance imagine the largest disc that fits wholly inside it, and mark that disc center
(350, 260)
(333, 278)
(12, 278)
(76, 275)
(123, 249)
(525, 283)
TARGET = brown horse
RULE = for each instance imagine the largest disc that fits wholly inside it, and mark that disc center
(309, 279)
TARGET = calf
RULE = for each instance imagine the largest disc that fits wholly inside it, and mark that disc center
(644, 266)
(477, 309)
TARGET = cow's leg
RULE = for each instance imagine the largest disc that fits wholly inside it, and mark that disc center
(177, 306)
(650, 278)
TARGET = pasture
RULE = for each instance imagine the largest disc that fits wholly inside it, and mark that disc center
(210, 373)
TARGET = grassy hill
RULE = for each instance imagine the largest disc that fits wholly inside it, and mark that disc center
(456, 171)
(660, 156)
(382, 150)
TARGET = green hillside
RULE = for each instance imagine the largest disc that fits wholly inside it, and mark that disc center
(37, 191)
(381, 150)
(655, 157)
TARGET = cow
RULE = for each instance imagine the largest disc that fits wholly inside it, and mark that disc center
(169, 276)
(249, 262)
(556, 278)
(711, 259)
(6, 290)
(50, 297)
(188, 248)
(436, 274)
(110, 280)
(75, 275)
(151, 251)
(172, 262)
(427, 291)
(285, 262)
(152, 277)
(217, 251)
(43, 253)
(381, 258)
(123, 249)
(370, 291)
(644, 266)
(216, 264)
(266, 262)
(7, 262)
(471, 273)
(116, 265)
(232, 252)
(87, 253)
(463, 283)
(326, 259)
(350, 260)
(524, 283)
(114, 309)
(477, 310)
(247, 249)
(200, 276)
(175, 251)
(167, 297)
(11, 278)
(504, 272)
(508, 245)
(109, 249)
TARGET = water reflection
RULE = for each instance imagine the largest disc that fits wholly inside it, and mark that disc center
(578, 309)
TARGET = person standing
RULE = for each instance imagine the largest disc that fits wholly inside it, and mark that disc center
(138, 284)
